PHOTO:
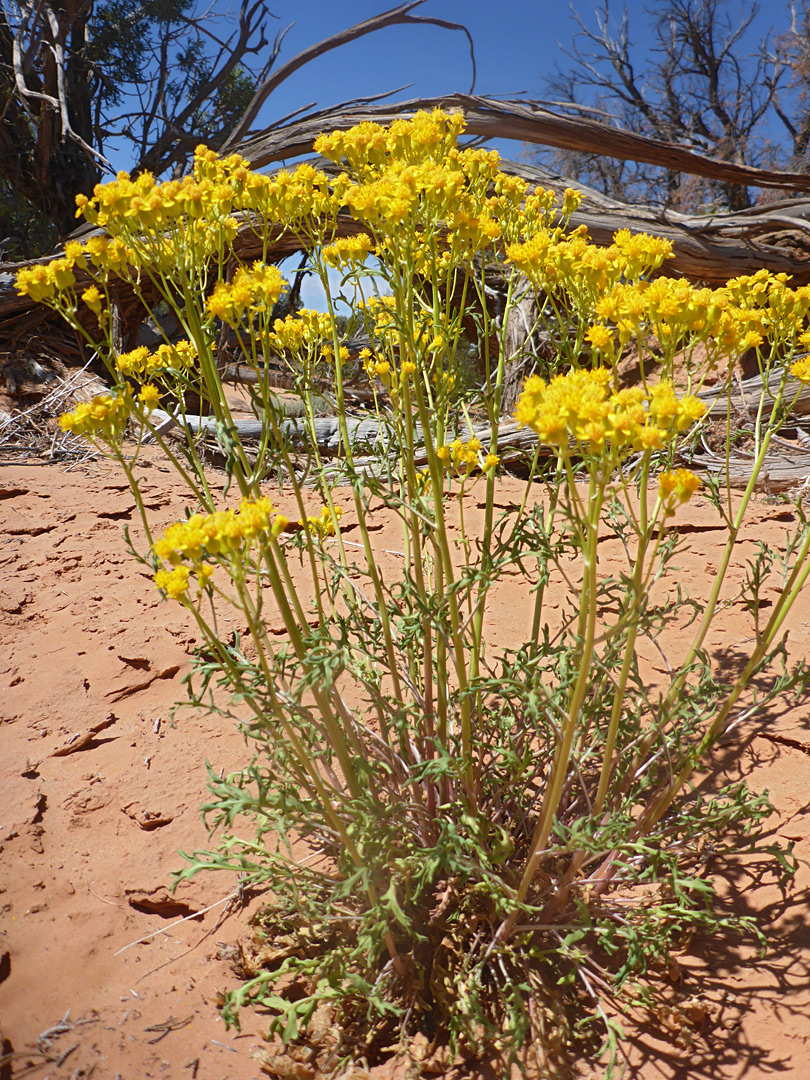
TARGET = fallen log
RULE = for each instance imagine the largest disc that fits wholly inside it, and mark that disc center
(744, 398)
(364, 434)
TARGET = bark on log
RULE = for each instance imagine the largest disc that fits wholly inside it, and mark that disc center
(523, 121)
(363, 433)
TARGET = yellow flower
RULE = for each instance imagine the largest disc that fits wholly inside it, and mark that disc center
(173, 582)
(279, 526)
(571, 201)
(136, 362)
(323, 524)
(600, 338)
(676, 487)
(347, 251)
(752, 339)
(92, 297)
(302, 331)
(42, 283)
(181, 356)
(579, 406)
(221, 533)
(801, 368)
(251, 292)
(379, 367)
(149, 397)
(34, 282)
(103, 419)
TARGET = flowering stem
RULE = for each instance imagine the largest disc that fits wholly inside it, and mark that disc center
(582, 662)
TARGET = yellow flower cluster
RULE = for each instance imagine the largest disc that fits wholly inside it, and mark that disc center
(293, 199)
(348, 251)
(221, 533)
(771, 306)
(251, 292)
(464, 457)
(581, 406)
(677, 487)
(181, 223)
(143, 205)
(42, 282)
(381, 315)
(54, 283)
(104, 419)
(728, 320)
(140, 363)
(367, 146)
(322, 524)
(417, 191)
(328, 353)
(303, 331)
(108, 255)
(173, 582)
(375, 366)
(555, 263)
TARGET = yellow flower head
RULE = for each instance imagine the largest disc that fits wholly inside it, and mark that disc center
(301, 332)
(92, 297)
(173, 582)
(251, 292)
(571, 201)
(104, 419)
(600, 338)
(149, 397)
(216, 535)
(463, 456)
(348, 251)
(323, 524)
(800, 368)
(580, 407)
(42, 283)
(676, 487)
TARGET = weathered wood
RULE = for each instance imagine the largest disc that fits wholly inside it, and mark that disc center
(523, 121)
(745, 395)
(781, 470)
(370, 434)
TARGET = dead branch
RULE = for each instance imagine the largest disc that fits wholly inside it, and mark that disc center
(397, 16)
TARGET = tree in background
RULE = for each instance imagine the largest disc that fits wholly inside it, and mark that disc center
(153, 78)
(695, 85)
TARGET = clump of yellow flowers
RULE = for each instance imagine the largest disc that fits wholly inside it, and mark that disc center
(203, 540)
(103, 419)
(581, 407)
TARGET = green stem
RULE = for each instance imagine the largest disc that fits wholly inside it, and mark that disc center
(586, 636)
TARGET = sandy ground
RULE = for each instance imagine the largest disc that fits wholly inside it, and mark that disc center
(99, 792)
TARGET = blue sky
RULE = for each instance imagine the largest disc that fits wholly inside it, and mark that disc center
(514, 42)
